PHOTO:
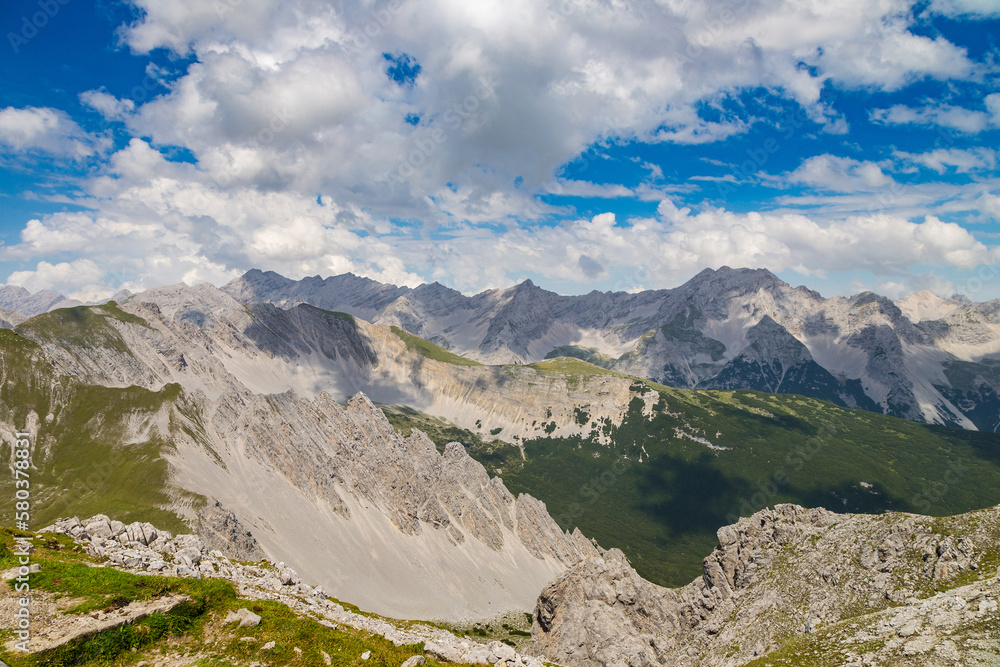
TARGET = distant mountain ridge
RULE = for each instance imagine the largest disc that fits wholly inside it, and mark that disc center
(20, 301)
(922, 358)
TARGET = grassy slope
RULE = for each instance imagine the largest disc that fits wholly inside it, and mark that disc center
(80, 464)
(82, 325)
(192, 628)
(664, 511)
(432, 351)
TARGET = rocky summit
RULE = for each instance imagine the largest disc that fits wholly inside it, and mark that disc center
(787, 584)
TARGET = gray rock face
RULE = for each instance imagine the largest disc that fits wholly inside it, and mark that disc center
(321, 485)
(343, 478)
(602, 613)
(354, 450)
(220, 529)
(780, 573)
(23, 302)
(347, 292)
(10, 319)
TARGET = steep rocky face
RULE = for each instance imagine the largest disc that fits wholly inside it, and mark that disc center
(360, 296)
(975, 389)
(777, 362)
(221, 530)
(777, 575)
(429, 310)
(926, 306)
(866, 351)
(387, 522)
(384, 521)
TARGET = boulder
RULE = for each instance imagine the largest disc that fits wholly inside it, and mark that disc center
(190, 556)
(245, 617)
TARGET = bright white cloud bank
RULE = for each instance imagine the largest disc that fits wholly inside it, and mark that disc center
(305, 149)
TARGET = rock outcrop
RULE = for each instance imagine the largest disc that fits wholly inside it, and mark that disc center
(782, 573)
(66, 630)
(220, 529)
(388, 522)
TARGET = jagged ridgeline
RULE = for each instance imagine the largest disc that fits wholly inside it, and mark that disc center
(650, 469)
(385, 521)
(683, 463)
(920, 357)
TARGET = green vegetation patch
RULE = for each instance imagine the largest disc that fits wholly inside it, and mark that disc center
(83, 326)
(430, 350)
(81, 462)
(665, 484)
(589, 354)
(569, 366)
(494, 454)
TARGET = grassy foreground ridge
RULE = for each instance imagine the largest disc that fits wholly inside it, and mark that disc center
(192, 632)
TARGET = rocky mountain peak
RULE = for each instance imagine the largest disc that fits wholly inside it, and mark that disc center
(523, 291)
(884, 304)
(925, 305)
(526, 285)
(435, 296)
(201, 305)
(256, 282)
(769, 340)
(727, 278)
(18, 299)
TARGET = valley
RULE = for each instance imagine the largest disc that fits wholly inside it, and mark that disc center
(419, 483)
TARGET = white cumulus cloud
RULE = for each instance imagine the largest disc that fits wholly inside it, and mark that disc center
(968, 121)
(45, 130)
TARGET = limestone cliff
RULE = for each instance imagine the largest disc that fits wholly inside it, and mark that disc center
(892, 589)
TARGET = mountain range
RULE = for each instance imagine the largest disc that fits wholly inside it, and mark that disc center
(922, 357)
(222, 411)
(418, 482)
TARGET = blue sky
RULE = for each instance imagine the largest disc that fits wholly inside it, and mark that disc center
(579, 144)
